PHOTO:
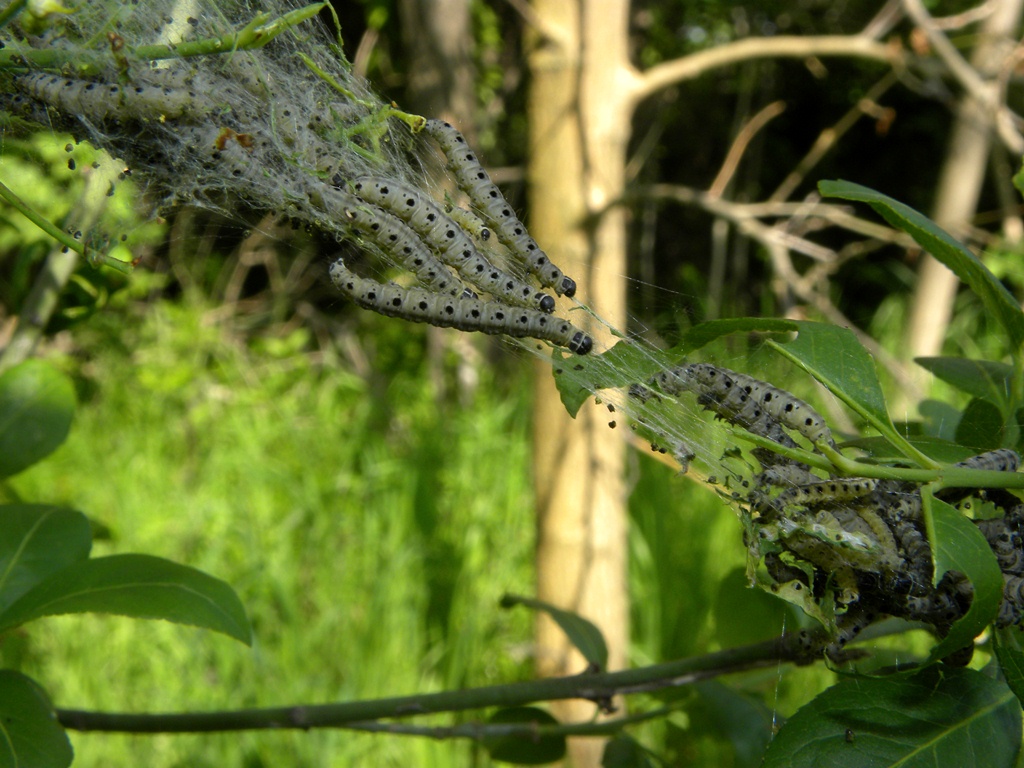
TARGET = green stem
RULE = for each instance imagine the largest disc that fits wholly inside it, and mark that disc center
(12, 10)
(94, 258)
(255, 34)
(943, 476)
(481, 731)
(598, 687)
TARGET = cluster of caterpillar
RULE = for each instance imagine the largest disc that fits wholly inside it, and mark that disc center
(466, 313)
(856, 544)
(215, 129)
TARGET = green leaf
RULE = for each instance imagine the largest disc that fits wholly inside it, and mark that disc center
(993, 294)
(981, 426)
(625, 752)
(524, 750)
(834, 357)
(630, 362)
(1011, 659)
(581, 633)
(937, 718)
(37, 403)
(140, 586)
(745, 723)
(985, 379)
(30, 736)
(958, 545)
(36, 541)
(882, 451)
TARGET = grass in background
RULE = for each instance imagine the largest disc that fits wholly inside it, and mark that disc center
(369, 533)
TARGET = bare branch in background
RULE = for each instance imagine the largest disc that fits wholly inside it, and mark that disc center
(689, 67)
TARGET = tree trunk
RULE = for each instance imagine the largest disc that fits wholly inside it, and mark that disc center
(438, 39)
(579, 123)
(963, 173)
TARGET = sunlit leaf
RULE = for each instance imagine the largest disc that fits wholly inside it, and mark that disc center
(37, 403)
(30, 736)
(940, 717)
(997, 300)
(958, 545)
(139, 586)
(524, 749)
(36, 541)
(583, 634)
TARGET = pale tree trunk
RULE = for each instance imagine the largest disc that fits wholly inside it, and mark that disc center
(963, 173)
(579, 119)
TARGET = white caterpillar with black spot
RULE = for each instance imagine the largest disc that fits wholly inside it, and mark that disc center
(466, 314)
(449, 240)
(149, 97)
(400, 243)
(826, 492)
(1000, 460)
(743, 399)
(485, 195)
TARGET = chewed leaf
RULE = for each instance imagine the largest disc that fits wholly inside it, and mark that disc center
(582, 633)
(29, 733)
(940, 244)
(959, 546)
(625, 752)
(939, 717)
(520, 749)
(139, 586)
(36, 541)
(37, 403)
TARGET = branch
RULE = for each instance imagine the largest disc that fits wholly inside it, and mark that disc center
(790, 47)
(985, 92)
(599, 687)
(480, 731)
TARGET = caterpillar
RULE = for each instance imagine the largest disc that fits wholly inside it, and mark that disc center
(466, 314)
(401, 243)
(787, 475)
(1012, 607)
(1000, 460)
(474, 181)
(745, 400)
(826, 492)
(1005, 543)
(100, 101)
(468, 220)
(449, 240)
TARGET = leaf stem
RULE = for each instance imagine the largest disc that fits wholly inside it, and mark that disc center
(93, 257)
(257, 33)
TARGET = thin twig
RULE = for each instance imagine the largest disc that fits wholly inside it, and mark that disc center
(740, 144)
